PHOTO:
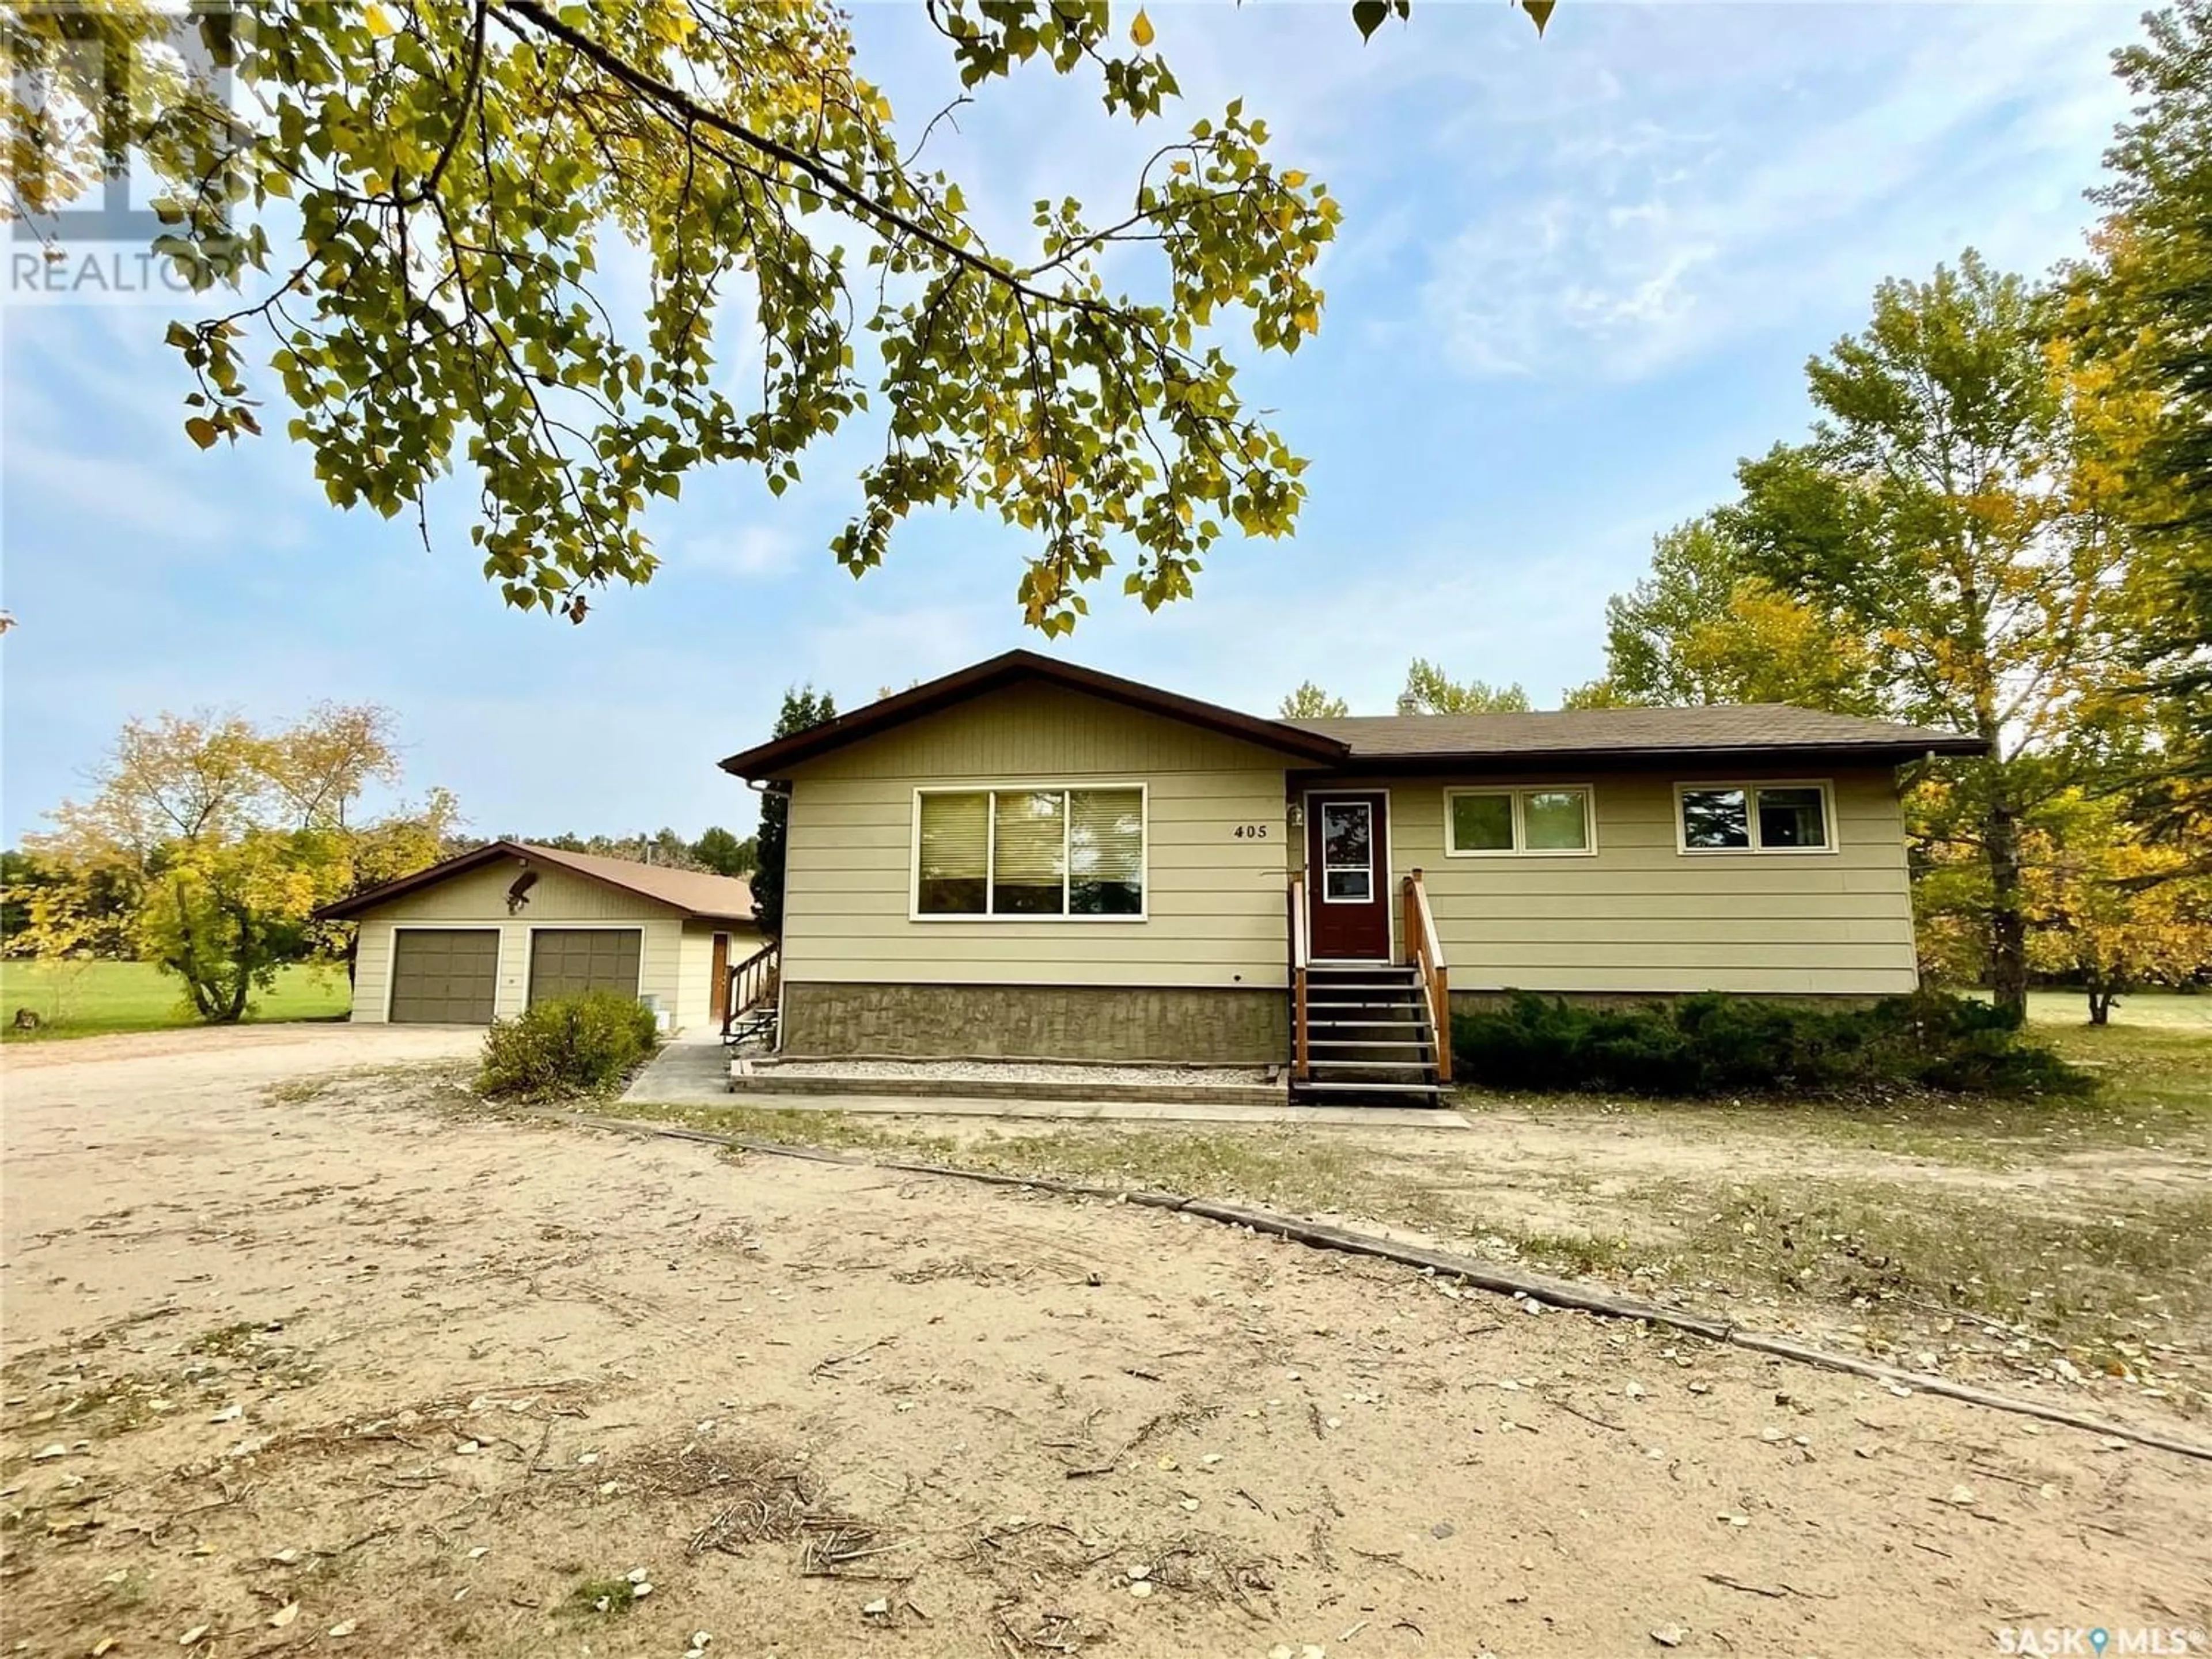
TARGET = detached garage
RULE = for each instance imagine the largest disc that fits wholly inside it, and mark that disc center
(484, 935)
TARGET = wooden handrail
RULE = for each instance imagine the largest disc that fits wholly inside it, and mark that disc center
(1425, 951)
(1302, 1063)
(752, 982)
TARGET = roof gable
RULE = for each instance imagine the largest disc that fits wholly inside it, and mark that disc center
(691, 892)
(773, 759)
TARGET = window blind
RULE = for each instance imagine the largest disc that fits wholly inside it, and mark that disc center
(956, 854)
(1106, 852)
(1029, 853)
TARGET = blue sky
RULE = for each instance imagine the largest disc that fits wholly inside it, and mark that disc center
(1577, 279)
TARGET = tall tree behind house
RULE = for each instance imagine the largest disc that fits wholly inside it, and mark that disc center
(803, 706)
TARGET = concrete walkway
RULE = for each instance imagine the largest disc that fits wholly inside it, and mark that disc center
(688, 1071)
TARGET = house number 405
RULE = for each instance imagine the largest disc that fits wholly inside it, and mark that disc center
(1251, 832)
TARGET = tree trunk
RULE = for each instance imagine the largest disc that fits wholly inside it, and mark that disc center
(233, 1000)
(186, 961)
(2101, 1007)
(2007, 917)
(244, 959)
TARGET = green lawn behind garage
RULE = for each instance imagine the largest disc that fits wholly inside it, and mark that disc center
(91, 999)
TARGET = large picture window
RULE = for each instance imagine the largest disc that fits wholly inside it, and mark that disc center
(1490, 822)
(1754, 817)
(1030, 853)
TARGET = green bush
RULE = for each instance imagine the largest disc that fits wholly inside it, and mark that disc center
(567, 1045)
(1716, 1045)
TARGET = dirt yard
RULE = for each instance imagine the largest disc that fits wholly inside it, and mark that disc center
(294, 1364)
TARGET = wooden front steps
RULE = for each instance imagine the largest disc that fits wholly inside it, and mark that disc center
(1369, 1038)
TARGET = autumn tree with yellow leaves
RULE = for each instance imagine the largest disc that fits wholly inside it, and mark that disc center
(2002, 523)
(2140, 312)
(2111, 908)
(230, 836)
(1705, 626)
(1945, 547)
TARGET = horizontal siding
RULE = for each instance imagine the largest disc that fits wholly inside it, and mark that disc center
(372, 971)
(1215, 900)
(1638, 916)
(695, 965)
(1641, 916)
(557, 899)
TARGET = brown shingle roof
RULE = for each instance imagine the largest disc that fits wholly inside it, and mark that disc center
(694, 892)
(728, 898)
(1597, 733)
(1593, 734)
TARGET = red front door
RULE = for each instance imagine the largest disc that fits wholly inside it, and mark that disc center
(1347, 877)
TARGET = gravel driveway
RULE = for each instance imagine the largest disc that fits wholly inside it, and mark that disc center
(357, 1369)
(216, 1062)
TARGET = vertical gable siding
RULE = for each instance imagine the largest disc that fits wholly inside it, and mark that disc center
(1214, 900)
(1642, 916)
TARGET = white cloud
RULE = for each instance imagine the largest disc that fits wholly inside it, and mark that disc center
(856, 655)
(750, 550)
(1479, 599)
(1785, 186)
(118, 493)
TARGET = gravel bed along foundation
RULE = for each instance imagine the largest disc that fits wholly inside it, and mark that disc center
(1015, 1071)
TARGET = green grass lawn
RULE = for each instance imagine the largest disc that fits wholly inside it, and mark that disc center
(91, 999)
(2162, 1010)
(2153, 1064)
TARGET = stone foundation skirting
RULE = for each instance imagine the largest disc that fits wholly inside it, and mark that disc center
(1229, 1026)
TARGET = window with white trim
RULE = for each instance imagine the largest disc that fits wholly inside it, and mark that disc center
(1494, 822)
(1030, 853)
(1754, 817)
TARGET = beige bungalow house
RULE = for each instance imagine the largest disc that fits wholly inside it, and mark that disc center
(484, 935)
(1030, 859)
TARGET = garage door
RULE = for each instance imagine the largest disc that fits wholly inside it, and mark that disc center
(566, 960)
(444, 975)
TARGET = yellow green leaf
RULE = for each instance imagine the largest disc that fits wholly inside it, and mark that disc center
(1140, 31)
